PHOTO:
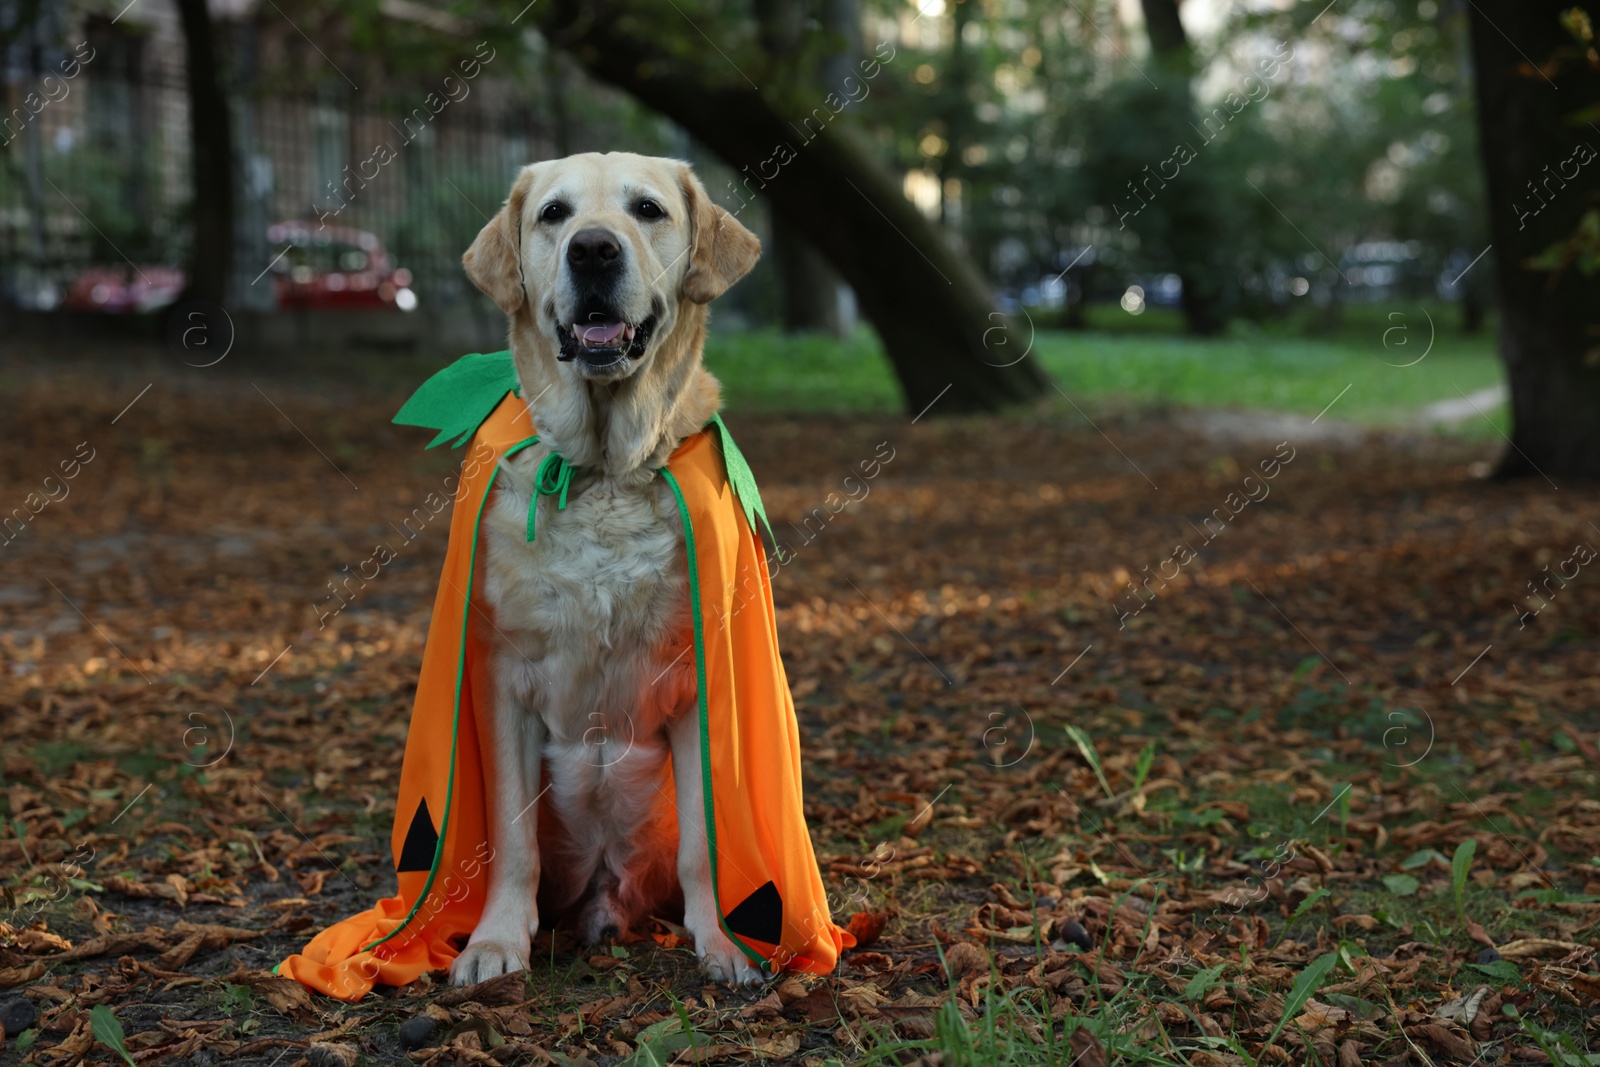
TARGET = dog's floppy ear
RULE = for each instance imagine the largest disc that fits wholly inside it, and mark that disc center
(721, 250)
(494, 262)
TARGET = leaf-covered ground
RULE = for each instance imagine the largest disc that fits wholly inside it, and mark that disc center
(1328, 795)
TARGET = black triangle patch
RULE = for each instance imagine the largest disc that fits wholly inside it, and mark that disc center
(422, 841)
(759, 916)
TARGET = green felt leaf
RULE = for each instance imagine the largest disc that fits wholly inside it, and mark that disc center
(742, 479)
(456, 400)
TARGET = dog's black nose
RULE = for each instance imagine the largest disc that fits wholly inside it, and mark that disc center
(593, 250)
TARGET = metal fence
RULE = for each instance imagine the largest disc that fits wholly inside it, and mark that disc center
(423, 183)
(94, 172)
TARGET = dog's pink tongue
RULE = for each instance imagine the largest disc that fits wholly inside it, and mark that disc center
(602, 334)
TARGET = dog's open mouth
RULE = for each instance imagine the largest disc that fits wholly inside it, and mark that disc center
(601, 343)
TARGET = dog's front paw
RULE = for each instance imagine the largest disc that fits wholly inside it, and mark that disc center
(495, 949)
(483, 960)
(722, 959)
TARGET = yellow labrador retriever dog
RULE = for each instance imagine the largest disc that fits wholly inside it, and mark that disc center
(604, 265)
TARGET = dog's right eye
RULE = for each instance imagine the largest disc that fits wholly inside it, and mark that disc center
(553, 212)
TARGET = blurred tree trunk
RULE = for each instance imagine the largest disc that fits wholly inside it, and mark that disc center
(1547, 337)
(927, 301)
(555, 81)
(809, 287)
(956, 109)
(211, 162)
(1472, 310)
(1194, 238)
(1164, 27)
(33, 163)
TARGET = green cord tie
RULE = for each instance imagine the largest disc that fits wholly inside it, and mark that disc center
(553, 477)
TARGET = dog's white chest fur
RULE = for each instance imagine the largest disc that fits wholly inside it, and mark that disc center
(596, 604)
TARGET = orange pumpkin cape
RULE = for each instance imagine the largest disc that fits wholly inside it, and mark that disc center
(770, 898)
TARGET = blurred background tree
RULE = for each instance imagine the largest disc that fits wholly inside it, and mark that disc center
(1538, 102)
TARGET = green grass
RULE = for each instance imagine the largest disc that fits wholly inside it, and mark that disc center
(764, 370)
(1278, 367)
(1018, 1027)
(1275, 374)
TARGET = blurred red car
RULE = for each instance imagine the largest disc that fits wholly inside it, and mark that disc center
(336, 267)
(123, 289)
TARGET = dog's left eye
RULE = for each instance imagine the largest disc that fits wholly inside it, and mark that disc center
(649, 209)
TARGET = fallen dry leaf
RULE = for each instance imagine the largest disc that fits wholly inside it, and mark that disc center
(1463, 1009)
(867, 927)
(148, 890)
(324, 1054)
(1538, 948)
(15, 976)
(1086, 1050)
(965, 958)
(1446, 1041)
(285, 994)
(778, 1047)
(496, 992)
